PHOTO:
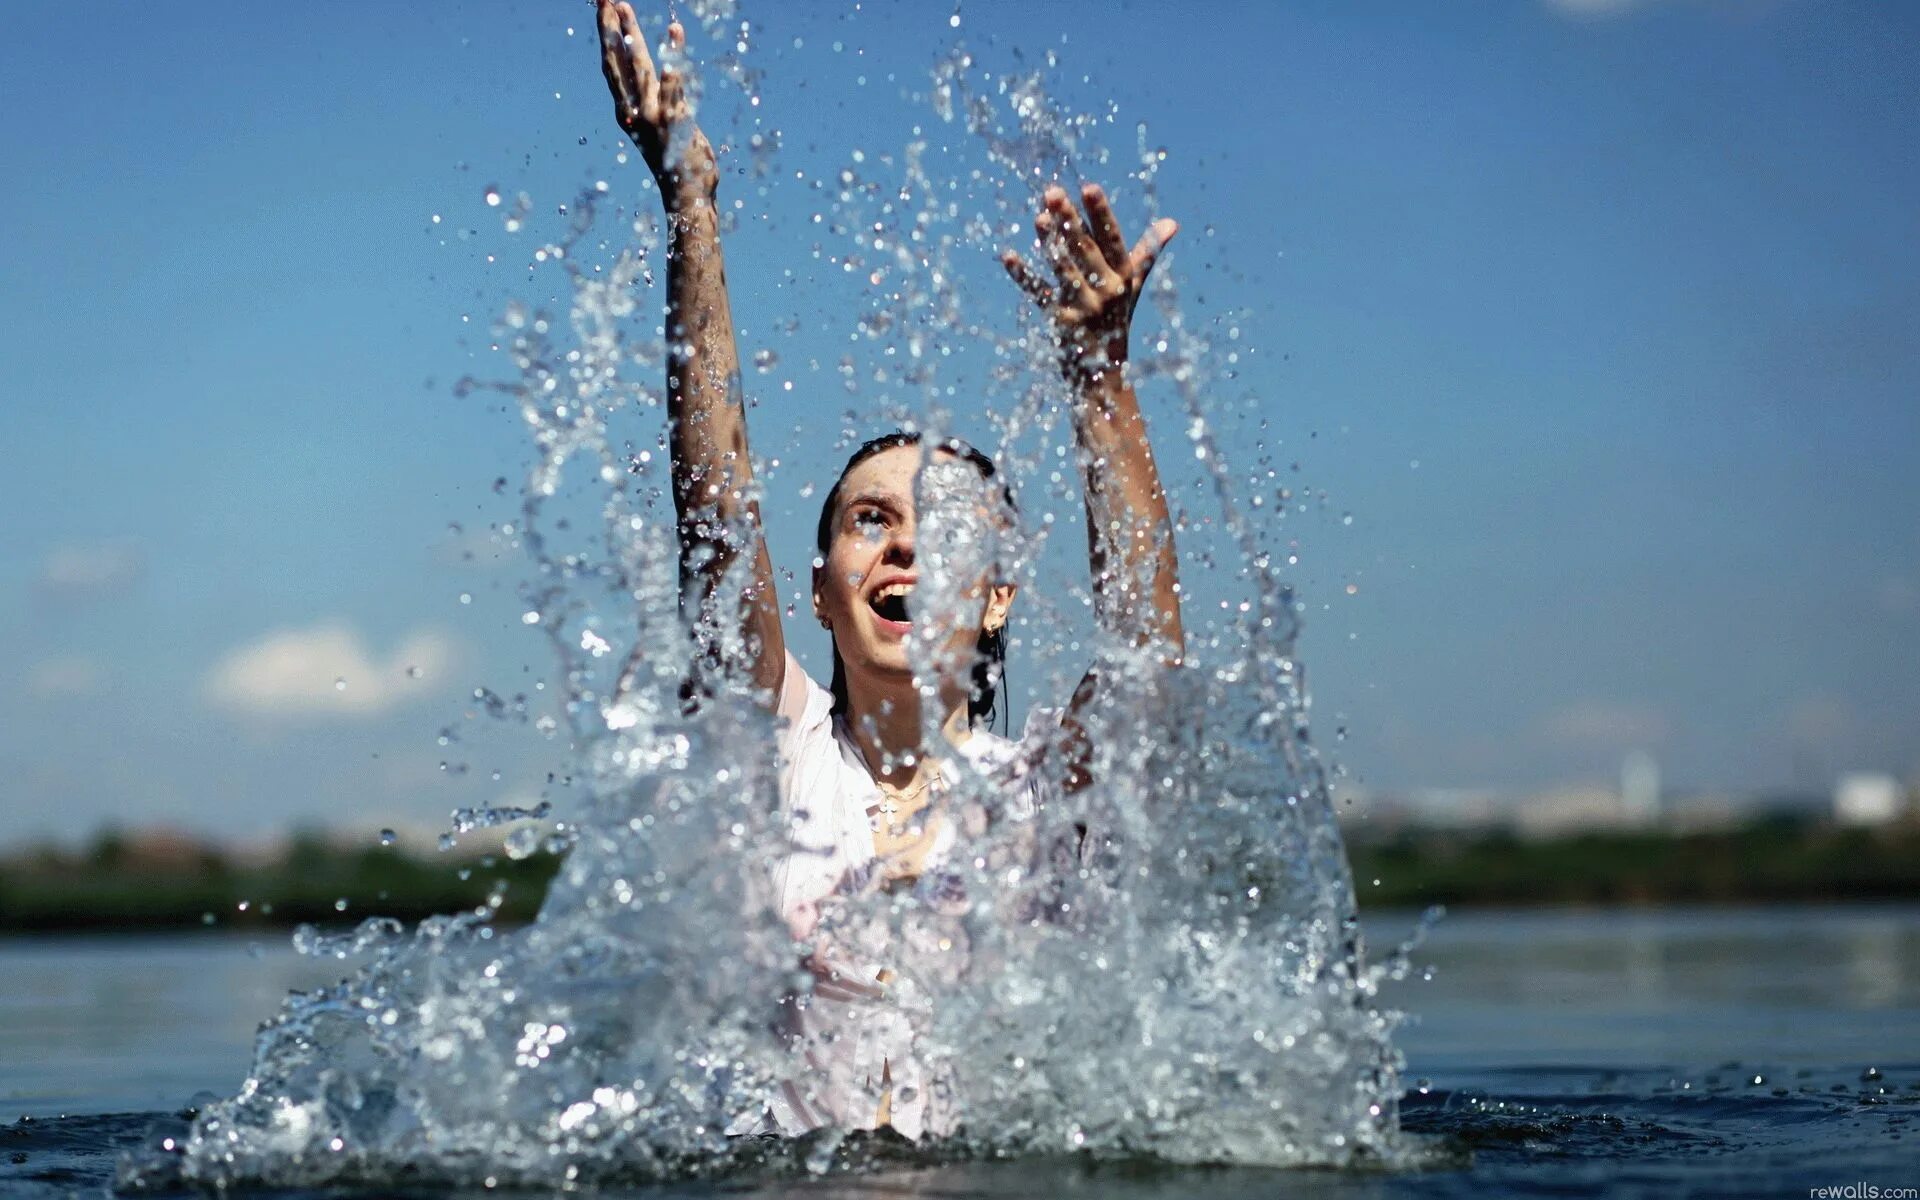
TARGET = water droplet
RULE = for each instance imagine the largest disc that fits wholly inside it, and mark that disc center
(523, 842)
(388, 837)
(492, 196)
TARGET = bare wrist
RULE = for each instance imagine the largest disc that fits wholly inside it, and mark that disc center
(1098, 364)
(691, 214)
(689, 193)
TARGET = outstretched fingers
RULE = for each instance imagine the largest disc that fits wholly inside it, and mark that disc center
(1091, 264)
(1053, 243)
(1085, 253)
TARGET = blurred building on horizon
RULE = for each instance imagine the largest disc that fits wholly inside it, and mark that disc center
(1636, 801)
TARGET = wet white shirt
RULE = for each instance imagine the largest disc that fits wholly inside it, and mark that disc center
(857, 1043)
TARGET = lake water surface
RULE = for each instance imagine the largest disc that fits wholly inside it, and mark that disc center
(1736, 1051)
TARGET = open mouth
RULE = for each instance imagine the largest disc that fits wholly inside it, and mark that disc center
(890, 603)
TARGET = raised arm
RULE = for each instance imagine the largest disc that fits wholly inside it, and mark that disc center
(707, 424)
(1096, 284)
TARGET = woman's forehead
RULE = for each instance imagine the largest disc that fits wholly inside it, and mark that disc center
(889, 473)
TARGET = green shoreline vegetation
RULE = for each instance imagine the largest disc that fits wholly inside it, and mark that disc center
(111, 887)
(1770, 860)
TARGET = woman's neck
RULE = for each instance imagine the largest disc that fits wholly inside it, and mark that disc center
(885, 724)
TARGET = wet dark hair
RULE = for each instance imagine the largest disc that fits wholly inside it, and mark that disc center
(990, 666)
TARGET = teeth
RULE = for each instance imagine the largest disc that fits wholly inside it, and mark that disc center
(891, 601)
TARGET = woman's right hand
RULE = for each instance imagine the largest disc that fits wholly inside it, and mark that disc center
(653, 109)
(1098, 281)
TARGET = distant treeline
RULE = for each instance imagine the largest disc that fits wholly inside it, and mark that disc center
(113, 887)
(108, 889)
(1776, 859)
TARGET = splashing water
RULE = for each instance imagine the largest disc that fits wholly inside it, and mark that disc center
(1165, 963)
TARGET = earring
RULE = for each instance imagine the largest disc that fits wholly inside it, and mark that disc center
(825, 624)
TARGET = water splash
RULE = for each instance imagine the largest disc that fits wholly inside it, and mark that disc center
(1164, 963)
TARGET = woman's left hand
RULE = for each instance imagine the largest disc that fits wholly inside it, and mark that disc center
(1097, 280)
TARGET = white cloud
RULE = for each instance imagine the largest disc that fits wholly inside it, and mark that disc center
(1607, 725)
(65, 678)
(328, 670)
(85, 570)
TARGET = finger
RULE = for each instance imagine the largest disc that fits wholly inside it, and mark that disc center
(1147, 250)
(673, 97)
(1106, 230)
(1035, 287)
(645, 80)
(1046, 227)
(673, 85)
(613, 59)
(1073, 234)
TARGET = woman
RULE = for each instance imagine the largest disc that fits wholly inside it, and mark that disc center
(859, 785)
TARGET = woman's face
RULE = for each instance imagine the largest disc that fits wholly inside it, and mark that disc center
(866, 586)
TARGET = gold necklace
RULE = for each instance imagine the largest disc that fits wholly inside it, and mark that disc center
(892, 799)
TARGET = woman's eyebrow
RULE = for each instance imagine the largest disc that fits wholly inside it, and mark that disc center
(886, 500)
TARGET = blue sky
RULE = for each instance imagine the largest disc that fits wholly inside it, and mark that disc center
(1596, 316)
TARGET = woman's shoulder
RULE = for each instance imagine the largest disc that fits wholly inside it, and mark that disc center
(803, 705)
